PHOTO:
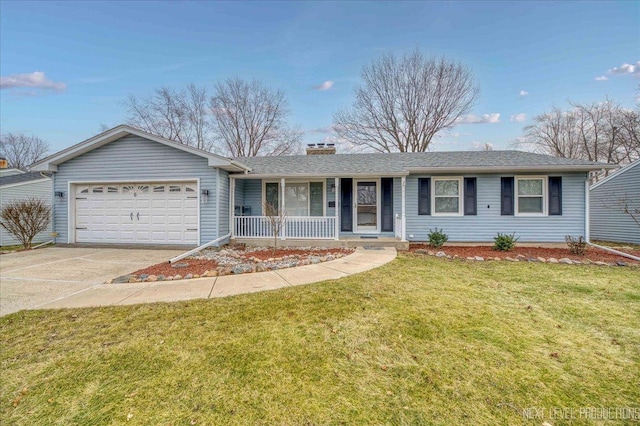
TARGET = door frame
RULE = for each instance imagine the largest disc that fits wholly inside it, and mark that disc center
(71, 198)
(355, 206)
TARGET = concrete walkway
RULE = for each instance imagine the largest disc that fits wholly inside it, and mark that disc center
(206, 288)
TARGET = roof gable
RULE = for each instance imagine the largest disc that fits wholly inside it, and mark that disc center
(51, 163)
(616, 174)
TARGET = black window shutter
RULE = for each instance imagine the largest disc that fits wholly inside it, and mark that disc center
(387, 204)
(555, 195)
(506, 200)
(470, 197)
(424, 196)
(346, 212)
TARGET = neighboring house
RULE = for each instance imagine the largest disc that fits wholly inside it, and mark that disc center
(127, 186)
(18, 185)
(608, 201)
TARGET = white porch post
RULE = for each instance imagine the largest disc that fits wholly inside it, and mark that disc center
(404, 210)
(337, 199)
(232, 206)
(283, 226)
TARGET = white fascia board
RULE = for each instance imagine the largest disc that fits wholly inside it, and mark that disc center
(11, 185)
(319, 175)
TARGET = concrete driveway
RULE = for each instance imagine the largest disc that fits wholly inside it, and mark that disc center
(34, 278)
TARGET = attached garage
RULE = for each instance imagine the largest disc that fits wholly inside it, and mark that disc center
(126, 186)
(137, 213)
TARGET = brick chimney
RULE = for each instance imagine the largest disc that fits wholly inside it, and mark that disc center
(321, 148)
(3, 163)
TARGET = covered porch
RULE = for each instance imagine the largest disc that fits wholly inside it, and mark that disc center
(354, 210)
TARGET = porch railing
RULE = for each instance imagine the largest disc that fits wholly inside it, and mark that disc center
(295, 227)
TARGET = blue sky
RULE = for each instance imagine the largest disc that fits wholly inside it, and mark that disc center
(527, 57)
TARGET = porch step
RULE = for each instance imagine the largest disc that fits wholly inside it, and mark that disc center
(346, 242)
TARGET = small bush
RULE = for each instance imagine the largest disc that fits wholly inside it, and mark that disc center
(505, 242)
(577, 245)
(24, 219)
(437, 238)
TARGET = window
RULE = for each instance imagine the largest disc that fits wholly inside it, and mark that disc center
(447, 196)
(300, 198)
(112, 189)
(424, 196)
(98, 190)
(158, 188)
(174, 188)
(530, 195)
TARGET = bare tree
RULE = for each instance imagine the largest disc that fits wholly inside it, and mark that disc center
(179, 115)
(21, 150)
(251, 119)
(404, 102)
(276, 218)
(25, 219)
(603, 132)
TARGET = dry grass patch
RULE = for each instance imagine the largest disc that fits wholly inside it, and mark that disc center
(418, 341)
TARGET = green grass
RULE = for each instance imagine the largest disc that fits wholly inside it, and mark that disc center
(418, 341)
(11, 248)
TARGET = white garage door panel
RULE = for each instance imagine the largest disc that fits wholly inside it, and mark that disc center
(163, 213)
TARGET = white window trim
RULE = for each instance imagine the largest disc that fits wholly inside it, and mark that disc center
(545, 196)
(460, 195)
(324, 193)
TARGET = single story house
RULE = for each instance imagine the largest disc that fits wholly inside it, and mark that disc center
(126, 186)
(19, 185)
(614, 206)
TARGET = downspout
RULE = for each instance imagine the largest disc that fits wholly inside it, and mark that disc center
(197, 249)
(587, 230)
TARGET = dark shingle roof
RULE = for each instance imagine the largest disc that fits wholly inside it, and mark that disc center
(20, 178)
(404, 162)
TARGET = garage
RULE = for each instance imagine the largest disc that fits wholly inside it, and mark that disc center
(137, 213)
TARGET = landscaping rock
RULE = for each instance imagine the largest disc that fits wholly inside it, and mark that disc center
(621, 263)
(431, 253)
(122, 279)
(179, 265)
(177, 277)
(511, 259)
(132, 280)
(188, 276)
(566, 261)
(471, 258)
(441, 254)
(479, 258)
(552, 260)
(161, 277)
(422, 251)
(152, 278)
(143, 277)
(542, 260)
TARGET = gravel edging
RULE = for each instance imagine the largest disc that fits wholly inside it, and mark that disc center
(234, 262)
(522, 258)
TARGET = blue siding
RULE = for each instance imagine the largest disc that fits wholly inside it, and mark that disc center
(41, 189)
(488, 222)
(223, 202)
(136, 159)
(608, 220)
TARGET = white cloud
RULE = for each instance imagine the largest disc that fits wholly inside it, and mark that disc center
(35, 80)
(324, 86)
(519, 118)
(322, 130)
(626, 69)
(523, 93)
(601, 78)
(483, 119)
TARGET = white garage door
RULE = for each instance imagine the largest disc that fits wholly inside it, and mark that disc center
(161, 213)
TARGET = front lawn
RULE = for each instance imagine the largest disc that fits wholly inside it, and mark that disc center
(419, 341)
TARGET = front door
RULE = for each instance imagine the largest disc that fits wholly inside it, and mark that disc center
(366, 206)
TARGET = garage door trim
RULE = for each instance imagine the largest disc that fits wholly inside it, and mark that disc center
(71, 198)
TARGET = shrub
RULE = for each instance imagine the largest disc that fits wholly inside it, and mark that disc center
(437, 238)
(577, 245)
(505, 242)
(25, 219)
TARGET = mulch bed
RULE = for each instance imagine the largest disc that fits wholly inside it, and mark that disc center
(192, 266)
(593, 254)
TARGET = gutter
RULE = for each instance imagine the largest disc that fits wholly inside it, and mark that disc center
(197, 249)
